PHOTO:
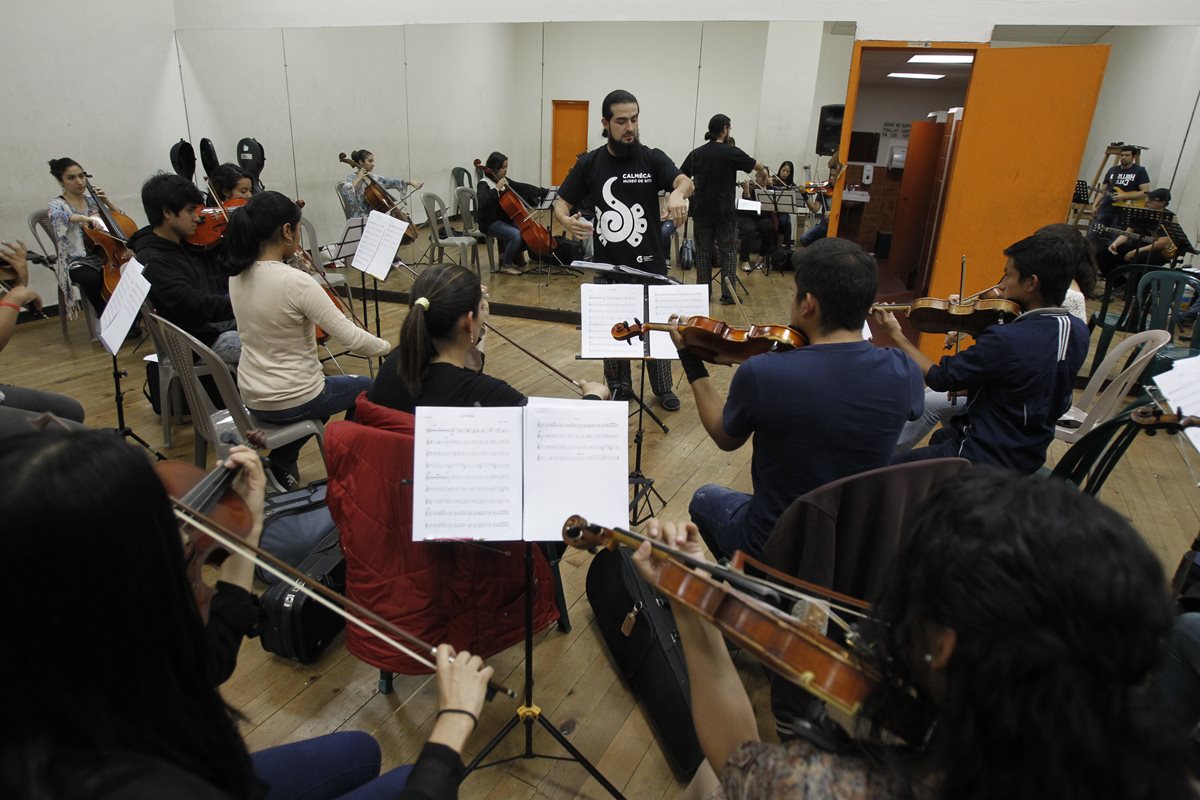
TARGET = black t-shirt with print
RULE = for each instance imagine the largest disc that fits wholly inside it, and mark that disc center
(624, 192)
(1127, 179)
(714, 166)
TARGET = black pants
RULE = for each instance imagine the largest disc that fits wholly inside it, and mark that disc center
(758, 236)
(617, 373)
(716, 242)
(86, 273)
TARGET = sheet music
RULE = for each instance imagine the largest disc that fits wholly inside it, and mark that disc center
(345, 247)
(602, 306)
(619, 269)
(377, 248)
(690, 300)
(749, 205)
(124, 306)
(467, 474)
(576, 462)
(1180, 387)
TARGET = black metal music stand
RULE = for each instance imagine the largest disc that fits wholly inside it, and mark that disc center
(529, 713)
(643, 485)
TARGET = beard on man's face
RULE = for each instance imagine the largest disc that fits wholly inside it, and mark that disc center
(623, 149)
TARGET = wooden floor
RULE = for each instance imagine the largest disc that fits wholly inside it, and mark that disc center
(576, 687)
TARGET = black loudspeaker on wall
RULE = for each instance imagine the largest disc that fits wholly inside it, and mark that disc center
(829, 129)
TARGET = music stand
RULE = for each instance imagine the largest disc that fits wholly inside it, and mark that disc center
(776, 201)
(113, 326)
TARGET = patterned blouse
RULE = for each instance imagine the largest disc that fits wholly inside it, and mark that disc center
(68, 238)
(800, 771)
(352, 195)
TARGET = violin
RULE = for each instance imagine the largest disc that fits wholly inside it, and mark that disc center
(831, 672)
(209, 495)
(378, 199)
(213, 222)
(972, 316)
(303, 261)
(538, 239)
(717, 343)
(110, 241)
(1153, 419)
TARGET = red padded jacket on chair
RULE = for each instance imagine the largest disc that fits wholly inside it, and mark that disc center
(470, 595)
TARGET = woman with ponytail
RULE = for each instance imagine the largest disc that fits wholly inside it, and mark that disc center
(277, 308)
(448, 310)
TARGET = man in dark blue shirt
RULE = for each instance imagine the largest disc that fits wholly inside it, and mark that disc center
(1124, 183)
(817, 413)
(1018, 376)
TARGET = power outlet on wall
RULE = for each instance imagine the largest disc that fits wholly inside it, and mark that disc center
(868, 174)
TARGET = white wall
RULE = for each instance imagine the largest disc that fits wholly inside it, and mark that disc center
(940, 20)
(833, 76)
(903, 103)
(117, 111)
(789, 87)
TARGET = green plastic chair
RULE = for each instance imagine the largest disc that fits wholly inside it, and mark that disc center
(1160, 297)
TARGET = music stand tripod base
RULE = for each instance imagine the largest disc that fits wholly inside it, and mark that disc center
(529, 713)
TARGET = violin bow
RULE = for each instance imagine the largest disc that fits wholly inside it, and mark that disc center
(371, 622)
(553, 369)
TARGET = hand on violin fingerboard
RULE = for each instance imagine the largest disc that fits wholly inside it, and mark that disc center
(251, 484)
(683, 536)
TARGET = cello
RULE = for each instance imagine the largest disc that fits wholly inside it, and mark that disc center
(111, 241)
(378, 199)
(535, 236)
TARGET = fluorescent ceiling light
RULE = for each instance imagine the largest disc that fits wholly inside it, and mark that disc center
(921, 76)
(935, 59)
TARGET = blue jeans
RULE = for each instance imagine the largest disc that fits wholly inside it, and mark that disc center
(343, 764)
(937, 410)
(818, 231)
(510, 238)
(720, 514)
(339, 394)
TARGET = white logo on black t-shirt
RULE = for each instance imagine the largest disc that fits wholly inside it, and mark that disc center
(620, 223)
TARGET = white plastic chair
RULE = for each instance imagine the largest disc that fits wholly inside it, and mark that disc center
(1098, 403)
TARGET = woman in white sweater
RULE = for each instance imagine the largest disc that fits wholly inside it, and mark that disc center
(277, 308)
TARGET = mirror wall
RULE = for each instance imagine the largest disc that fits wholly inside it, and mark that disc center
(427, 98)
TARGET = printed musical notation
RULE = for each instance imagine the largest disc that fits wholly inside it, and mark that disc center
(502, 474)
(601, 307)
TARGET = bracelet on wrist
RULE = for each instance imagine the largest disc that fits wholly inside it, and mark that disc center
(474, 719)
(9, 304)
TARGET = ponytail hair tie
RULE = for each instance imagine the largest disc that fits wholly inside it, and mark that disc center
(423, 302)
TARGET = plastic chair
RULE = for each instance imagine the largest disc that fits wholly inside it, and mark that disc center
(467, 201)
(1121, 283)
(441, 236)
(39, 223)
(1098, 402)
(1091, 459)
(1160, 297)
(209, 422)
(170, 389)
(460, 177)
(337, 189)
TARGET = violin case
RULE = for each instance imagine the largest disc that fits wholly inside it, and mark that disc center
(640, 634)
(296, 626)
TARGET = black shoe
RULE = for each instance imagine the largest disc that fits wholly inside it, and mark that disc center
(669, 401)
(726, 300)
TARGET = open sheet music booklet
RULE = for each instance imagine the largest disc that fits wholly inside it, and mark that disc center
(604, 305)
(506, 474)
(1180, 387)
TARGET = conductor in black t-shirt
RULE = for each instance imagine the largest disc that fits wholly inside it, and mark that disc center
(714, 167)
(622, 179)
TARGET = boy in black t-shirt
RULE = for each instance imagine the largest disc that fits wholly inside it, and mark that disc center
(1123, 183)
(714, 166)
(623, 179)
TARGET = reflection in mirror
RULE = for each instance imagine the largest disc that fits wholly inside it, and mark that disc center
(428, 100)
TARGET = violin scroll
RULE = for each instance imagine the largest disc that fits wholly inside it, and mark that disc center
(1153, 419)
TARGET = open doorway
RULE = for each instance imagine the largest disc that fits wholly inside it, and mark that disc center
(900, 145)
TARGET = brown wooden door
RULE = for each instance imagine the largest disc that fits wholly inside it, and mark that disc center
(1025, 124)
(916, 191)
(569, 137)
